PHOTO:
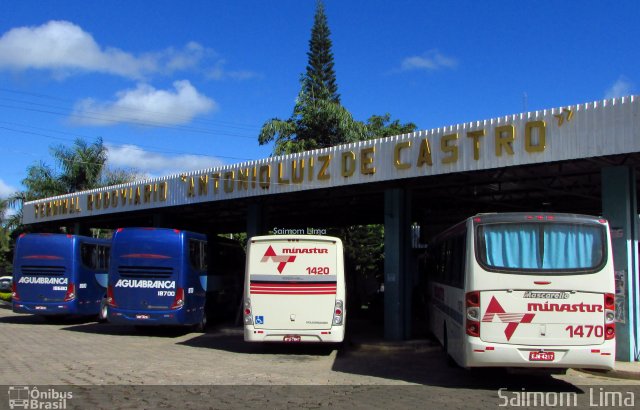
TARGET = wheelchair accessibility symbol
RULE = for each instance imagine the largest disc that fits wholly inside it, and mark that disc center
(259, 320)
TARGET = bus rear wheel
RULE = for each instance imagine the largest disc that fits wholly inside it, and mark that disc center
(102, 313)
(202, 326)
(445, 346)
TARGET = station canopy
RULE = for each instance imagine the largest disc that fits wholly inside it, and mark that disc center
(547, 160)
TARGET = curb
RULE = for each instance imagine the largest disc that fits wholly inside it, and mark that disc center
(616, 374)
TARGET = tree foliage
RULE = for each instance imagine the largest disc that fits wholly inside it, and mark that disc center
(79, 167)
(315, 123)
(5, 239)
(318, 119)
(321, 81)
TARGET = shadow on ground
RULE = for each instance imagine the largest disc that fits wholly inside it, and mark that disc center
(231, 339)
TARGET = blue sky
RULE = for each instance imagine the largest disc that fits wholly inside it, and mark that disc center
(179, 85)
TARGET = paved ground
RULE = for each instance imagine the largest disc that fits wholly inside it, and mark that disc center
(109, 366)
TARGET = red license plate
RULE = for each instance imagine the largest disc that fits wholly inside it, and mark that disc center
(541, 356)
(292, 338)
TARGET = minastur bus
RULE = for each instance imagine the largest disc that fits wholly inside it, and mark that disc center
(57, 274)
(524, 290)
(294, 289)
(162, 276)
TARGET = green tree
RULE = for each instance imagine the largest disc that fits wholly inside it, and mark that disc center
(80, 167)
(381, 126)
(315, 123)
(318, 120)
(83, 165)
(5, 239)
(321, 78)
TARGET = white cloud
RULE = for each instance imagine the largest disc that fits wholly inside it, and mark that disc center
(6, 190)
(153, 164)
(146, 105)
(430, 61)
(622, 87)
(66, 48)
(218, 72)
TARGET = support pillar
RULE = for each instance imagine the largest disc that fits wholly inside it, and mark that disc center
(398, 280)
(256, 220)
(619, 207)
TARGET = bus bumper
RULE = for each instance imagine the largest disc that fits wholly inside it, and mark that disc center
(335, 335)
(480, 354)
(46, 309)
(177, 317)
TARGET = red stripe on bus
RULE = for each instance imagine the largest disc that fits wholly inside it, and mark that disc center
(50, 257)
(145, 256)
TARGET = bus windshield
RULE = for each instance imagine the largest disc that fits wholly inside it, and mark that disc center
(558, 247)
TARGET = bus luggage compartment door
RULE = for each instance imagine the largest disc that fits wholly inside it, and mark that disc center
(542, 318)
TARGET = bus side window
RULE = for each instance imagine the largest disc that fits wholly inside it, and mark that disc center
(106, 251)
(457, 261)
(204, 257)
(89, 256)
(197, 254)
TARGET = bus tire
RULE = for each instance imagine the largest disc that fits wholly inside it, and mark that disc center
(445, 347)
(202, 326)
(102, 313)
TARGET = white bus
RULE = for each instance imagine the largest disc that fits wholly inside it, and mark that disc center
(524, 290)
(294, 289)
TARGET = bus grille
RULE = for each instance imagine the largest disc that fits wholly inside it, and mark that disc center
(42, 270)
(138, 272)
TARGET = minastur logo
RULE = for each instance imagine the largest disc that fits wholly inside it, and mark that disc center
(281, 260)
(512, 319)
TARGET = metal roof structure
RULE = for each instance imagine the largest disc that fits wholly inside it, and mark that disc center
(542, 160)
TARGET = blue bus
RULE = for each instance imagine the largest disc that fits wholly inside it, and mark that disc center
(163, 276)
(58, 274)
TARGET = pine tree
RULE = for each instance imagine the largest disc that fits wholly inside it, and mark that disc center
(320, 81)
(318, 119)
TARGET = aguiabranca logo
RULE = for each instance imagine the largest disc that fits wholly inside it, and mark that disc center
(282, 260)
(513, 319)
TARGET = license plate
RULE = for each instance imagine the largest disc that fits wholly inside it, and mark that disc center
(41, 308)
(292, 338)
(142, 316)
(541, 356)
